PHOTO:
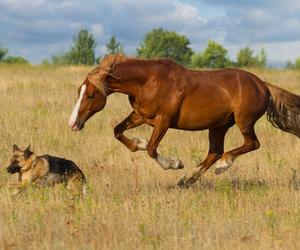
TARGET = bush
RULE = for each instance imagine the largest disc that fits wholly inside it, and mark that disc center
(15, 60)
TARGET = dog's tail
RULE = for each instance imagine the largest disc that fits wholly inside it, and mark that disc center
(284, 110)
(84, 187)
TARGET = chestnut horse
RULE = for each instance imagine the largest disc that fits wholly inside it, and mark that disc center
(164, 95)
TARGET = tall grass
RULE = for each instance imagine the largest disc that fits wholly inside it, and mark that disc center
(132, 203)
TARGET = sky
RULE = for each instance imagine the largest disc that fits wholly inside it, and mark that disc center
(37, 29)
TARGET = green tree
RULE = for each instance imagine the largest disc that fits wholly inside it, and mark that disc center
(214, 56)
(262, 58)
(61, 59)
(114, 47)
(3, 52)
(98, 59)
(289, 65)
(83, 50)
(297, 63)
(197, 61)
(15, 60)
(245, 58)
(160, 43)
(11, 59)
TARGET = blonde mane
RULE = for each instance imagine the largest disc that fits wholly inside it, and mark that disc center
(106, 67)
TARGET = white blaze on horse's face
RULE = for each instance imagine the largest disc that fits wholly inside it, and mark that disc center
(74, 115)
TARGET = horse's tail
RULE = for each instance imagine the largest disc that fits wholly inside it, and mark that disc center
(284, 110)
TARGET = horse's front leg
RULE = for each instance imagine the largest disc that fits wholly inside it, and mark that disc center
(161, 126)
(132, 121)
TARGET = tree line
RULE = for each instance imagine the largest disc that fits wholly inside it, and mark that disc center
(5, 58)
(158, 43)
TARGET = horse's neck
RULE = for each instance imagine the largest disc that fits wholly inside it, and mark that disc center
(129, 79)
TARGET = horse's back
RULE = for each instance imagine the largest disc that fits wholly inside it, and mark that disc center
(213, 97)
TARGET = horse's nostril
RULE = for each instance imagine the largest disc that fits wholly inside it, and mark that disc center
(80, 124)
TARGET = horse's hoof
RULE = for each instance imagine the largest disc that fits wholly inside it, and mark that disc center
(183, 183)
(222, 167)
(176, 164)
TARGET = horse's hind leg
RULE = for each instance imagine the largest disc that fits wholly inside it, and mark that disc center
(250, 143)
(253, 104)
(132, 121)
(216, 150)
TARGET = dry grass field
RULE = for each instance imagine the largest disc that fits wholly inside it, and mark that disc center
(131, 202)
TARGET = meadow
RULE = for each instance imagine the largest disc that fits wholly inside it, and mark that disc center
(131, 202)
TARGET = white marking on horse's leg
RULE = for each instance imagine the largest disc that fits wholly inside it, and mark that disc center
(74, 114)
(176, 163)
(141, 144)
(163, 162)
(167, 163)
(223, 165)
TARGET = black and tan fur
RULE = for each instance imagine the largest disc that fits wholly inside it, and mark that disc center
(45, 170)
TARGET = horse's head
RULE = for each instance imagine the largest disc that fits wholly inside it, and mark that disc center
(92, 93)
(90, 100)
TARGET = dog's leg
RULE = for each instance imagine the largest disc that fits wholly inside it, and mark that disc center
(76, 184)
(17, 188)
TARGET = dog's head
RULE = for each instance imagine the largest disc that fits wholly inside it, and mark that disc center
(20, 160)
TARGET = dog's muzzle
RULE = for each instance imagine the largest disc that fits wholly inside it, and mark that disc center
(13, 169)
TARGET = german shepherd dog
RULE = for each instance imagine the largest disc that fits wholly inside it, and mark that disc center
(45, 171)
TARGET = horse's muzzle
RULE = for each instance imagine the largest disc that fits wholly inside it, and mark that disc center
(77, 126)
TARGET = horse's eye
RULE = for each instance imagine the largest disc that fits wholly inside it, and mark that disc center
(90, 96)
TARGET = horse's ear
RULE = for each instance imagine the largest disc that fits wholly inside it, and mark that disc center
(27, 152)
(15, 148)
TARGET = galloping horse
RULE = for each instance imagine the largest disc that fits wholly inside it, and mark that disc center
(164, 94)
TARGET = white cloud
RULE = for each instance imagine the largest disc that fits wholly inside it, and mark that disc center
(17, 4)
(259, 15)
(97, 30)
(76, 25)
(69, 3)
(185, 11)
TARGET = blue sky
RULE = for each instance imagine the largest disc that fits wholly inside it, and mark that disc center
(37, 29)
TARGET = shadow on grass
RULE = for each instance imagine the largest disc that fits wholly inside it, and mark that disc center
(254, 185)
(246, 185)
(235, 184)
(230, 185)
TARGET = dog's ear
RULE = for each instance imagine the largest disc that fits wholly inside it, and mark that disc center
(15, 148)
(27, 152)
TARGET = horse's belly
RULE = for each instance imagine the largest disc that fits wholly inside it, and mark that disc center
(199, 116)
(201, 123)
